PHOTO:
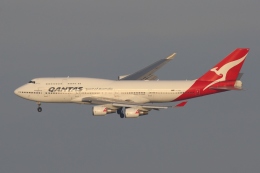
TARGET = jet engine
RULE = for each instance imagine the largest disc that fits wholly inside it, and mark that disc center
(102, 111)
(134, 113)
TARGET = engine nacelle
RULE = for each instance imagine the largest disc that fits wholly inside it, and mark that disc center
(102, 111)
(134, 113)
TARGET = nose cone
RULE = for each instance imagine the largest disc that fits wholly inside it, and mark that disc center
(16, 91)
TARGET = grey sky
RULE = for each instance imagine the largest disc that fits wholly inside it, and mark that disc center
(107, 38)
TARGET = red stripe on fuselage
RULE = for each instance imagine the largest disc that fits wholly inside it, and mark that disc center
(197, 91)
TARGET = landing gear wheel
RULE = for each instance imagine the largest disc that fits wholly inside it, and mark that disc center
(39, 109)
(122, 115)
(120, 112)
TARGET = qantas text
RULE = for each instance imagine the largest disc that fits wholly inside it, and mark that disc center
(55, 89)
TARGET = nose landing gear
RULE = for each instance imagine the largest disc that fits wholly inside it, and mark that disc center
(39, 109)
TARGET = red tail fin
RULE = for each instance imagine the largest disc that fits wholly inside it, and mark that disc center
(227, 69)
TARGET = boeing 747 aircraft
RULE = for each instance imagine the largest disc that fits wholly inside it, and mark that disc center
(130, 95)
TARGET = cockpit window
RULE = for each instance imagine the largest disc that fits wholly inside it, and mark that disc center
(31, 82)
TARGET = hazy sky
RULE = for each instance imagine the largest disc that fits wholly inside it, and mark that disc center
(107, 38)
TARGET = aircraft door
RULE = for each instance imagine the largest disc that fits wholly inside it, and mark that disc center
(116, 94)
(77, 94)
(65, 92)
(43, 91)
(150, 93)
(64, 82)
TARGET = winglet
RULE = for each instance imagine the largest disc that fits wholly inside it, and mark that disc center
(181, 104)
(171, 56)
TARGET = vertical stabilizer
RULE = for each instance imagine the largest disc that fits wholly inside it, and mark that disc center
(227, 69)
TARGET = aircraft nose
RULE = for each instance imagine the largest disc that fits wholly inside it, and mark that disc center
(16, 91)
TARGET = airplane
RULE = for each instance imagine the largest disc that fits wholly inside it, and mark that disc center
(138, 93)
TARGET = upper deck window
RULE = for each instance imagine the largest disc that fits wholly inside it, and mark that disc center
(31, 82)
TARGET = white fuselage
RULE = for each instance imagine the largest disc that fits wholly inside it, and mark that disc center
(128, 95)
(68, 90)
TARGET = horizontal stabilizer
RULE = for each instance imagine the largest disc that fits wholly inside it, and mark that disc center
(240, 76)
(181, 104)
(226, 88)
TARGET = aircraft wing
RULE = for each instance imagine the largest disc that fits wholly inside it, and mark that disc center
(103, 100)
(122, 103)
(149, 106)
(147, 72)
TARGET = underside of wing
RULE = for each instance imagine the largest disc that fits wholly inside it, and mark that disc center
(143, 106)
(126, 103)
(147, 73)
(104, 100)
(120, 103)
(126, 109)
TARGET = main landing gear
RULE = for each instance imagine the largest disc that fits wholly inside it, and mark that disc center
(120, 112)
(39, 109)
